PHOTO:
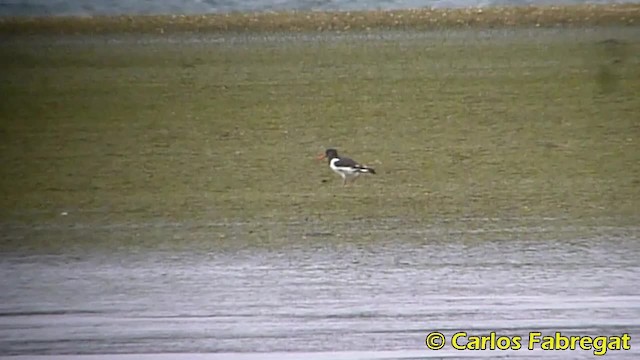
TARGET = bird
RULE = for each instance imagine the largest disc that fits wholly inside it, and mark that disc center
(347, 168)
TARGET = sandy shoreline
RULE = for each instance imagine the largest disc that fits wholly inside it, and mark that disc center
(551, 16)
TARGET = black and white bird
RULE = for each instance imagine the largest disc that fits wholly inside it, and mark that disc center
(347, 168)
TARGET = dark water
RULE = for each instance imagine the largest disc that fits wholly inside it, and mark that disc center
(317, 296)
(113, 7)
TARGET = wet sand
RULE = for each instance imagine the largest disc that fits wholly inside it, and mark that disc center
(332, 297)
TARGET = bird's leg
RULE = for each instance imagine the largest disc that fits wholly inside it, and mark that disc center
(350, 180)
(344, 181)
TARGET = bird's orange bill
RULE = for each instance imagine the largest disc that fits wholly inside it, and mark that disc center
(321, 157)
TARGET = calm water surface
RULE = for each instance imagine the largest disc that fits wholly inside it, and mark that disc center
(119, 7)
(322, 295)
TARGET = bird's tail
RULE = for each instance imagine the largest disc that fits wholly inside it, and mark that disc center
(366, 169)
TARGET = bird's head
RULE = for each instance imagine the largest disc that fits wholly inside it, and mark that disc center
(328, 154)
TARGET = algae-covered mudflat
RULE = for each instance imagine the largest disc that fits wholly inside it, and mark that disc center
(221, 128)
(303, 21)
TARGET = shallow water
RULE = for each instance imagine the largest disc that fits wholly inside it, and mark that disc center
(118, 7)
(320, 296)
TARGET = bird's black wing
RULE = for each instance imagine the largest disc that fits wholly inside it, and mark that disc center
(346, 162)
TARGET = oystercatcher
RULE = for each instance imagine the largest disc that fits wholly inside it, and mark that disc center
(345, 167)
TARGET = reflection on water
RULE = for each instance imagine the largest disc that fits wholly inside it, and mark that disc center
(342, 299)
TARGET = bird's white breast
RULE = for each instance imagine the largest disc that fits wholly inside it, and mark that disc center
(342, 170)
